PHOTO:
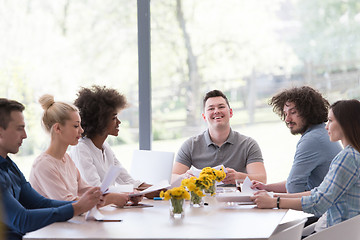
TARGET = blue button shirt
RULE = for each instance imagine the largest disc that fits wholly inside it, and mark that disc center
(314, 153)
(25, 209)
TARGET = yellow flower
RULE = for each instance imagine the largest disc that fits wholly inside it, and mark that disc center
(199, 193)
(220, 174)
(206, 181)
(176, 193)
(189, 183)
(213, 174)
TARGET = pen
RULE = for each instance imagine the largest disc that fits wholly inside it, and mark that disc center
(158, 198)
(109, 220)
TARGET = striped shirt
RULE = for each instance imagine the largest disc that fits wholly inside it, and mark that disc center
(339, 193)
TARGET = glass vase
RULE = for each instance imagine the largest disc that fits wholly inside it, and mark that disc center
(196, 200)
(177, 208)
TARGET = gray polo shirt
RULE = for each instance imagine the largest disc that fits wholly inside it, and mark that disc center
(237, 152)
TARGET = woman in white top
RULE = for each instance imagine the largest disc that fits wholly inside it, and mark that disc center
(54, 174)
(99, 108)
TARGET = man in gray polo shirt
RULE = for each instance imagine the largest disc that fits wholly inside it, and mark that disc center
(219, 144)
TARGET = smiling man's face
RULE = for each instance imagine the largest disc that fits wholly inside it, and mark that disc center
(216, 112)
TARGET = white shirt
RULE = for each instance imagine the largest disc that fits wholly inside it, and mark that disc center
(93, 163)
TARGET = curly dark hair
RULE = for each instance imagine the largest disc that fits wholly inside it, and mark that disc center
(310, 104)
(96, 105)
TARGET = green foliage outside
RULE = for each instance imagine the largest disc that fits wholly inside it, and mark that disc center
(248, 49)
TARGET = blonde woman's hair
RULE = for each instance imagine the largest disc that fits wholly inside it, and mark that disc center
(54, 112)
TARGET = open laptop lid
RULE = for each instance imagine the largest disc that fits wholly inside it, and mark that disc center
(152, 166)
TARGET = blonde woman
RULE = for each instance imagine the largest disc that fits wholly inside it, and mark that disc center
(54, 174)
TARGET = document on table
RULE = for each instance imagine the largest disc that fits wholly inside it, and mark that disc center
(109, 179)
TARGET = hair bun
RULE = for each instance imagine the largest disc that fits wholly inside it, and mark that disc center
(46, 101)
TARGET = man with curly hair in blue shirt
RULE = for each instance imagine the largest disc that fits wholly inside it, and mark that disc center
(304, 111)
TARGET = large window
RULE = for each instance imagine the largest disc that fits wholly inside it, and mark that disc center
(56, 47)
(248, 49)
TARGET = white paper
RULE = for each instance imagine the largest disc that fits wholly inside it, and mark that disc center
(97, 216)
(176, 181)
(125, 188)
(94, 214)
(243, 196)
(246, 186)
(233, 197)
(109, 179)
(195, 171)
(161, 185)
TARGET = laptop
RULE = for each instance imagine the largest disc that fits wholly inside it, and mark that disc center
(152, 166)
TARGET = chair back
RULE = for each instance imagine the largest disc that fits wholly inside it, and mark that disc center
(349, 230)
(152, 166)
(289, 231)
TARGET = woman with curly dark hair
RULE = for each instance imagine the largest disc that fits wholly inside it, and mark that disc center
(99, 108)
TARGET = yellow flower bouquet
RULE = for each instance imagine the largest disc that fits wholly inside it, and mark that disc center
(195, 186)
(209, 176)
(176, 196)
(205, 182)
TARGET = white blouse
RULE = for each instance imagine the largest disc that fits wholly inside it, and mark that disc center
(93, 163)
